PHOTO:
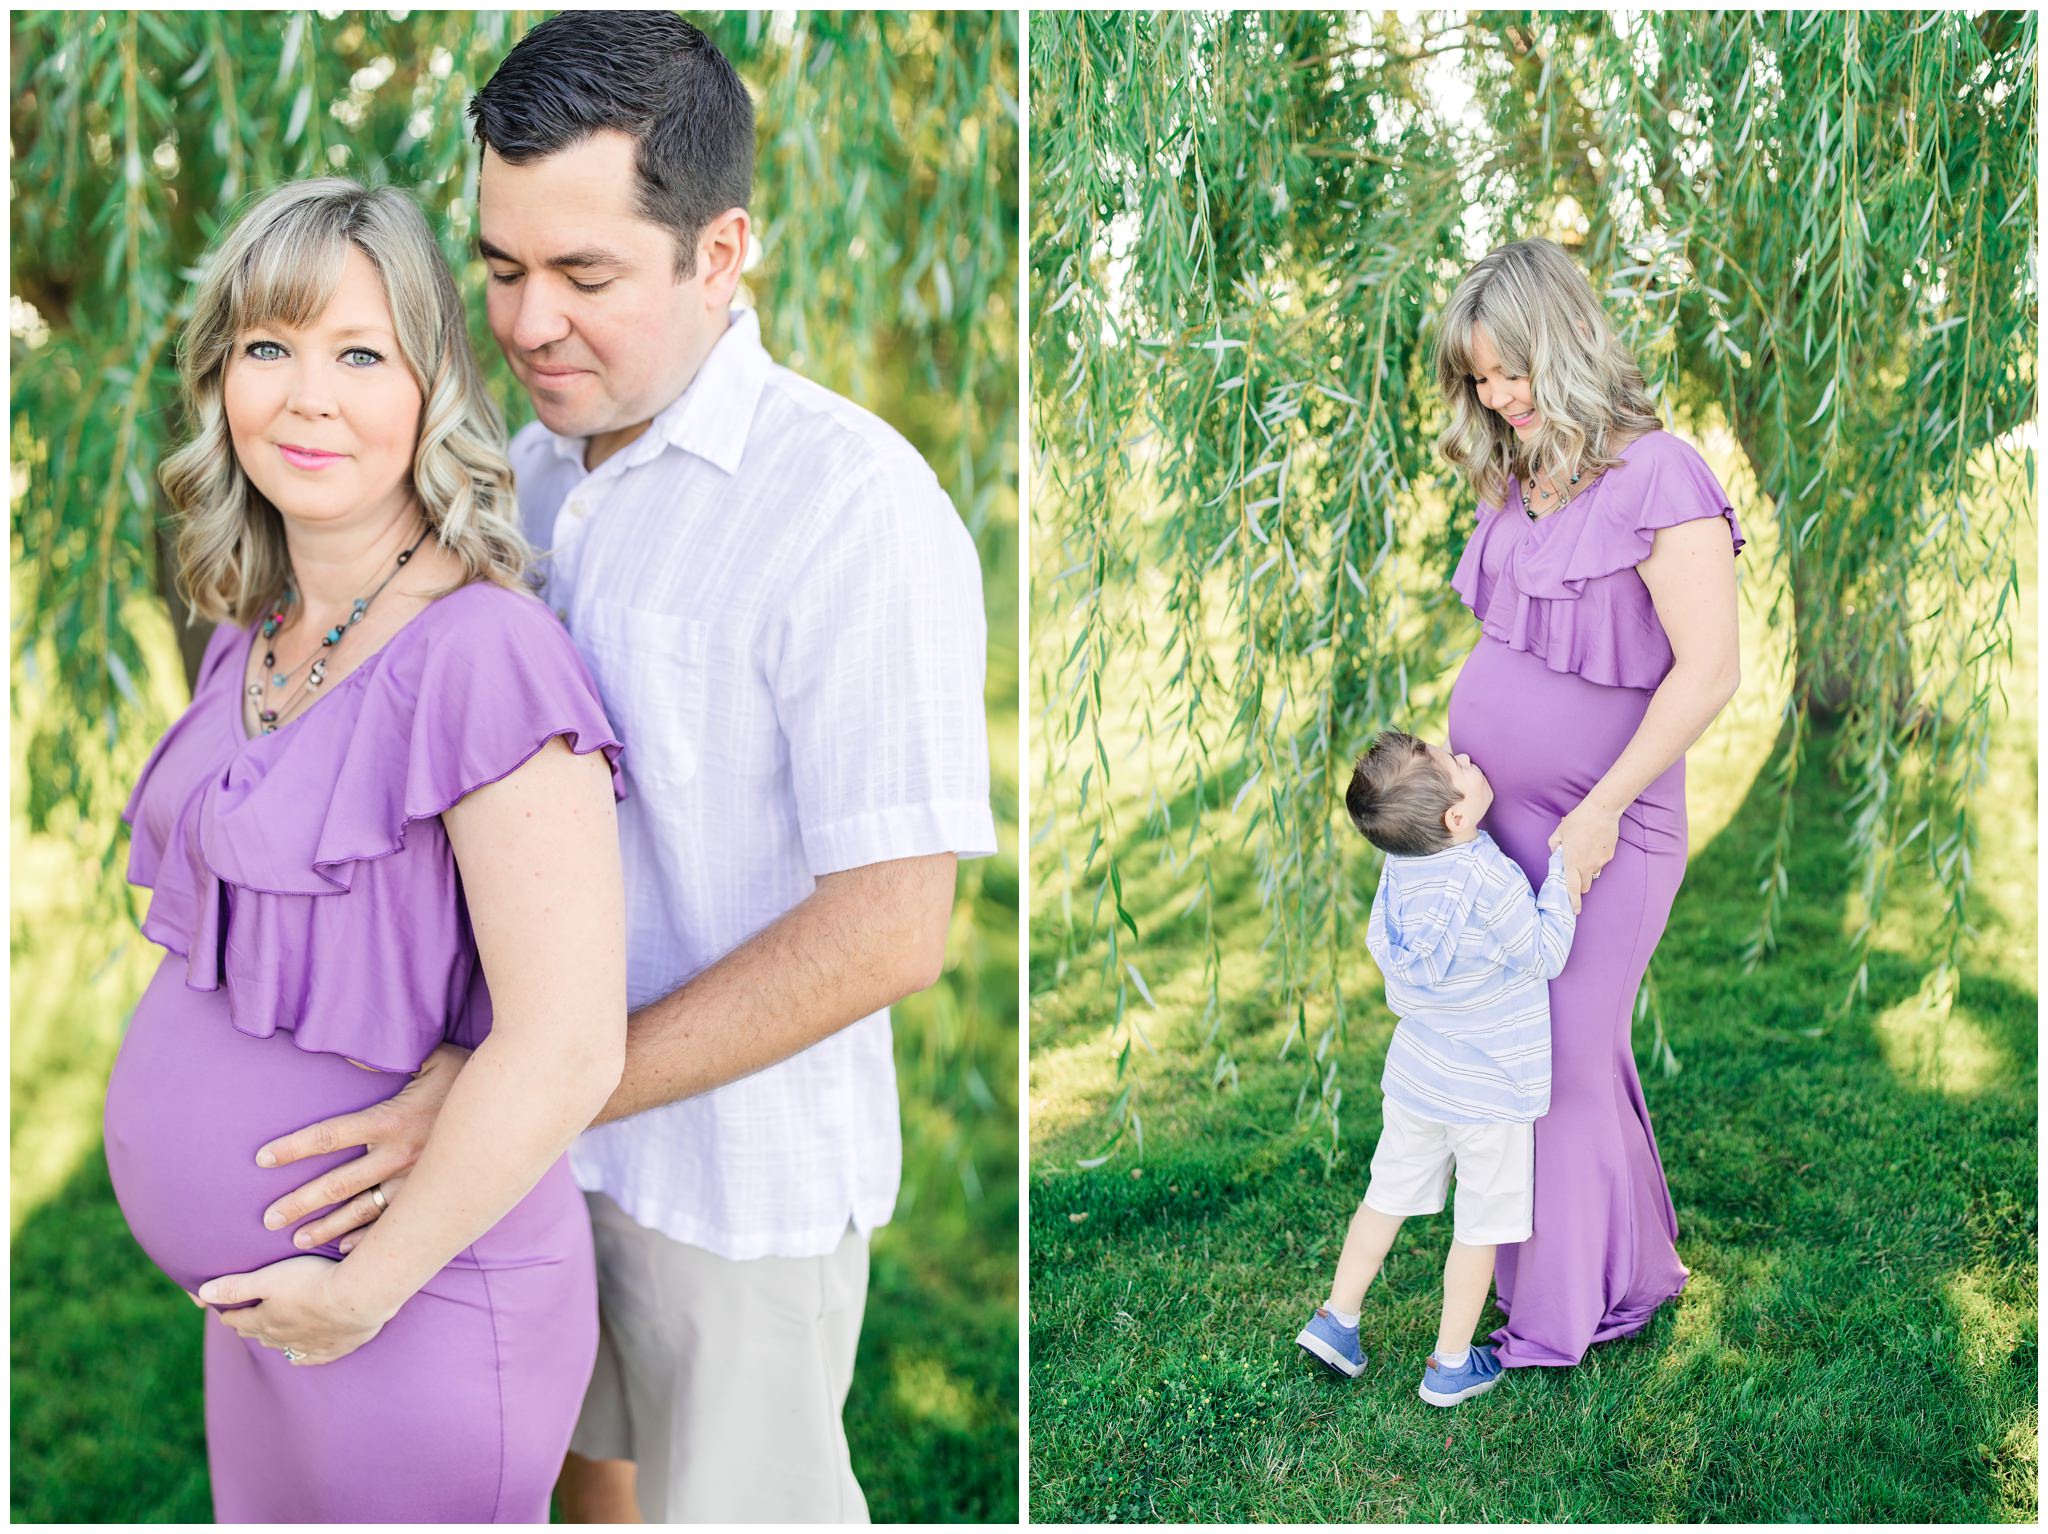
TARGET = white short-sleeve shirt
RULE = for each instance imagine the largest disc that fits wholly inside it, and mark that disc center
(783, 612)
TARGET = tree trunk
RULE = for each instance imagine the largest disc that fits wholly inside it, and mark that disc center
(1820, 672)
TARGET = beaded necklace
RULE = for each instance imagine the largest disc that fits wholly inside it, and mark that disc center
(269, 718)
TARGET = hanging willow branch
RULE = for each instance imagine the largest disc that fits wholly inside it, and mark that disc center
(886, 208)
(1848, 201)
(1820, 225)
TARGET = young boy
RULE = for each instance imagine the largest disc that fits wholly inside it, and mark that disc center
(1467, 953)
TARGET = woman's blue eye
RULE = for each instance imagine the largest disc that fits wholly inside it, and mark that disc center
(364, 351)
(263, 351)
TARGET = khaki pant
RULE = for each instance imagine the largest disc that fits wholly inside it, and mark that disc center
(724, 1381)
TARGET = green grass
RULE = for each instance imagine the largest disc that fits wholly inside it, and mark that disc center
(1857, 1342)
(107, 1408)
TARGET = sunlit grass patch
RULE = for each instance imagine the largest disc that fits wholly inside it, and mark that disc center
(1943, 1048)
(1990, 1317)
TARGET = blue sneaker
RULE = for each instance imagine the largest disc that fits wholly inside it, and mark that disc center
(1479, 1373)
(1330, 1342)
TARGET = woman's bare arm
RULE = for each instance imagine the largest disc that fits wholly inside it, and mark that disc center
(1691, 576)
(539, 855)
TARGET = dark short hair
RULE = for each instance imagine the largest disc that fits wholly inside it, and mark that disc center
(1399, 795)
(648, 74)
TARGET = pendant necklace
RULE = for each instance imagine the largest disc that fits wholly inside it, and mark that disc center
(270, 717)
(1523, 486)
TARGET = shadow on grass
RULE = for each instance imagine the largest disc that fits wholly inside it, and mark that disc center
(109, 1417)
(1857, 1341)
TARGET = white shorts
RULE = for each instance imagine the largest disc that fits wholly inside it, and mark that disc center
(1496, 1165)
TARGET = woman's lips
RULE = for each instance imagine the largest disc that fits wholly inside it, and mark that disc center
(307, 457)
(1519, 421)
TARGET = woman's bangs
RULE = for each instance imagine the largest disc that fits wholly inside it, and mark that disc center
(289, 275)
(1507, 323)
(1455, 347)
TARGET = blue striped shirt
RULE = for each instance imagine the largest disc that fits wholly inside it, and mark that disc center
(1468, 953)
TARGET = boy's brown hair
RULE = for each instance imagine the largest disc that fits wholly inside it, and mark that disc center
(1399, 795)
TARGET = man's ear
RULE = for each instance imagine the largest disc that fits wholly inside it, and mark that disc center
(722, 254)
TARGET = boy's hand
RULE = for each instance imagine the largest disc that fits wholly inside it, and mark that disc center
(1561, 865)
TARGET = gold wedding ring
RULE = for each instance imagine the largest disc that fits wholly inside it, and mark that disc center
(377, 1198)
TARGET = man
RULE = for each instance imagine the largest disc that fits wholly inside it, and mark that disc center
(783, 612)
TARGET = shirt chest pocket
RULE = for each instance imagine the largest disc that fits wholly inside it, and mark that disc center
(657, 675)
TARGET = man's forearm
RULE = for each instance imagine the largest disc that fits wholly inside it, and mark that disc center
(512, 1112)
(863, 939)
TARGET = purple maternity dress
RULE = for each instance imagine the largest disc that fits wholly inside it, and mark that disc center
(306, 892)
(1570, 653)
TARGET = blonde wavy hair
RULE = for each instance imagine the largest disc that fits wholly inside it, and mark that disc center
(1547, 325)
(280, 263)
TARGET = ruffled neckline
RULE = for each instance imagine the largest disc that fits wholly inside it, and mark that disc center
(1511, 497)
(231, 831)
(244, 646)
(1553, 591)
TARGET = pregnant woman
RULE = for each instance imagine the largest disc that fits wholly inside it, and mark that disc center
(1603, 575)
(385, 822)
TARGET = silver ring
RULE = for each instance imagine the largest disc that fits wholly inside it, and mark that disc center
(292, 1355)
(377, 1192)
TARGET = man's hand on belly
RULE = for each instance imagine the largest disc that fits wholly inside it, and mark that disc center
(392, 1134)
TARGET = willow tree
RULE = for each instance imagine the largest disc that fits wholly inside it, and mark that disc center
(886, 213)
(1243, 226)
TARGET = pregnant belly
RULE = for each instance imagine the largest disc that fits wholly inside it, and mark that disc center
(1544, 738)
(189, 1101)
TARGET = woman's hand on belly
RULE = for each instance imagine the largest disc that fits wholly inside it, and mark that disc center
(300, 1304)
(1588, 835)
